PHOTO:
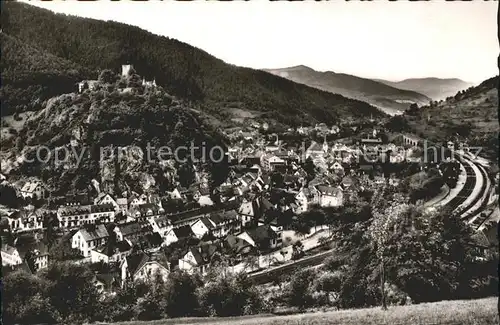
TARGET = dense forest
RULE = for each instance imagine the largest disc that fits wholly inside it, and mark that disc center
(183, 70)
(30, 76)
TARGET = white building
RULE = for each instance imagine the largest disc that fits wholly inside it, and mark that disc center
(33, 189)
(105, 198)
(89, 238)
(330, 196)
(10, 256)
(76, 216)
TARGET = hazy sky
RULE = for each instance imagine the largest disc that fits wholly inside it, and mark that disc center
(379, 39)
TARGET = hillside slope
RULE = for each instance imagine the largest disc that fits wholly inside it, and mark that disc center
(80, 129)
(434, 88)
(219, 88)
(471, 114)
(388, 98)
(30, 75)
(460, 312)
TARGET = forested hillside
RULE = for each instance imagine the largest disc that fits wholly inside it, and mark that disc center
(77, 132)
(183, 70)
(471, 114)
(30, 76)
(391, 100)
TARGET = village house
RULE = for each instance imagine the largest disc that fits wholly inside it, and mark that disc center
(203, 197)
(176, 234)
(122, 205)
(146, 211)
(33, 189)
(76, 216)
(330, 196)
(337, 168)
(23, 220)
(263, 238)
(161, 225)
(304, 198)
(149, 84)
(145, 267)
(237, 247)
(10, 256)
(111, 252)
(316, 150)
(89, 237)
(16, 256)
(108, 280)
(275, 225)
(104, 198)
(135, 200)
(132, 231)
(270, 162)
(218, 224)
(40, 253)
(197, 259)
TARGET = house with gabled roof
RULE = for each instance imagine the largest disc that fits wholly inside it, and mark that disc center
(33, 189)
(25, 220)
(178, 233)
(237, 247)
(161, 225)
(10, 256)
(111, 252)
(202, 226)
(106, 198)
(7, 269)
(330, 196)
(218, 224)
(146, 211)
(337, 168)
(304, 199)
(122, 205)
(249, 212)
(89, 237)
(108, 279)
(262, 237)
(272, 162)
(315, 150)
(132, 231)
(38, 250)
(145, 267)
(198, 258)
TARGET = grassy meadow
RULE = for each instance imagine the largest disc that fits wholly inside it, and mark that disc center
(460, 312)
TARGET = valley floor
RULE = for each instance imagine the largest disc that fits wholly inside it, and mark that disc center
(460, 312)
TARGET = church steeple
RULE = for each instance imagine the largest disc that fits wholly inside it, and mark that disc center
(325, 144)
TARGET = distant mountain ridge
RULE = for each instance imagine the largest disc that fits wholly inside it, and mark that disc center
(221, 90)
(388, 98)
(470, 114)
(435, 88)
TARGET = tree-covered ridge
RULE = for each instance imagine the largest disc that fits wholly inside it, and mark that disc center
(470, 115)
(30, 75)
(181, 69)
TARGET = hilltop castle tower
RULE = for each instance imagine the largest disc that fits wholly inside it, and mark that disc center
(126, 69)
